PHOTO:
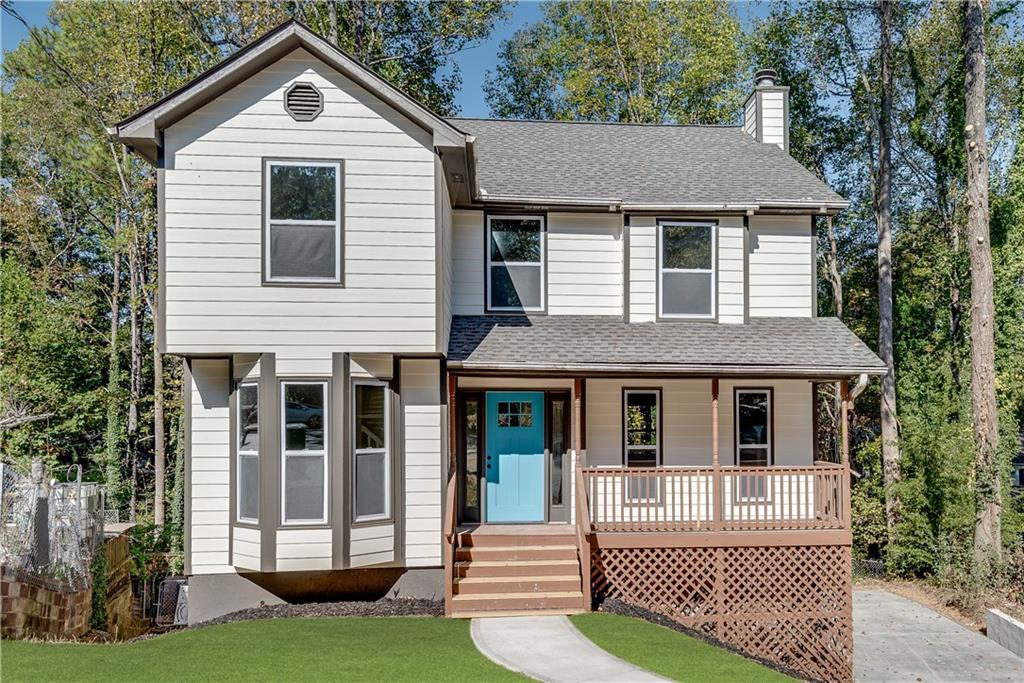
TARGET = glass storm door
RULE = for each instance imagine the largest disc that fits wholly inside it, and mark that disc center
(515, 456)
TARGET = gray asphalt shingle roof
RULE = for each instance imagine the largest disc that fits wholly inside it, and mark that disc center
(637, 164)
(783, 346)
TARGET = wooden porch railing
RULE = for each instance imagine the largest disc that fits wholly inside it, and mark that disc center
(583, 531)
(448, 547)
(670, 499)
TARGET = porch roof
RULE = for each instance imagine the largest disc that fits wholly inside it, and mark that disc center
(780, 347)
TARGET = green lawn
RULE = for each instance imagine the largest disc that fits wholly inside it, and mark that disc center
(669, 652)
(353, 649)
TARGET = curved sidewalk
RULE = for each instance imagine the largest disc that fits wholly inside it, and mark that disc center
(550, 649)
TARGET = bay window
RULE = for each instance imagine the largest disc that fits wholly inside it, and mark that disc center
(304, 452)
(302, 238)
(686, 269)
(371, 477)
(247, 445)
(515, 263)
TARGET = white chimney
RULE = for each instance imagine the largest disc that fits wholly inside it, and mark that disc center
(766, 111)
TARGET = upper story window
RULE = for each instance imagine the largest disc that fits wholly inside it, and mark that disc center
(248, 449)
(515, 263)
(686, 269)
(302, 237)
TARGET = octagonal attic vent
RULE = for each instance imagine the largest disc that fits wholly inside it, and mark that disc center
(303, 101)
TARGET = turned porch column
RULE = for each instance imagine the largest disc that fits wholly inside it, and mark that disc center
(844, 422)
(577, 419)
(716, 472)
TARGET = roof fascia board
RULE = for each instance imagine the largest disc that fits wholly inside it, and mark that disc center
(145, 124)
(678, 370)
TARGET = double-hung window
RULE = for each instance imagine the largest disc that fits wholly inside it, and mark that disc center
(371, 451)
(302, 237)
(641, 430)
(247, 444)
(515, 263)
(686, 269)
(753, 427)
(304, 452)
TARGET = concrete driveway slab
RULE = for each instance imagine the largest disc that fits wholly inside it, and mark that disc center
(895, 639)
(549, 648)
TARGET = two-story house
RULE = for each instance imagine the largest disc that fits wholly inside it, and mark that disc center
(519, 364)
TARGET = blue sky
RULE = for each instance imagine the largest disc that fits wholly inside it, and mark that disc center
(473, 63)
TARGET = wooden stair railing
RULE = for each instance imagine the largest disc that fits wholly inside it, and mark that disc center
(449, 543)
(583, 531)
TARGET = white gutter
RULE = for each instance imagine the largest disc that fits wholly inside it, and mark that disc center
(701, 370)
(690, 207)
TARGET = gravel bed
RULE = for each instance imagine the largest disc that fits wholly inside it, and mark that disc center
(403, 607)
(625, 609)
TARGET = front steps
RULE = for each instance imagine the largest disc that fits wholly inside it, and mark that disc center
(511, 570)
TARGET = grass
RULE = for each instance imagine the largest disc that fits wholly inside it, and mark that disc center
(352, 649)
(669, 653)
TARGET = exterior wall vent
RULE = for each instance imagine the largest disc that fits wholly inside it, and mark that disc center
(303, 101)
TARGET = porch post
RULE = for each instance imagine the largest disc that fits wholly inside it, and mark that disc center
(577, 418)
(716, 472)
(714, 422)
(844, 422)
(452, 430)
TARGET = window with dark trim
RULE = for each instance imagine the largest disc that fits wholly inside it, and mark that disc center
(304, 452)
(371, 471)
(515, 263)
(641, 427)
(753, 427)
(247, 448)
(302, 236)
(687, 254)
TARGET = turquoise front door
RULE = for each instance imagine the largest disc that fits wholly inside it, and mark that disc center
(515, 456)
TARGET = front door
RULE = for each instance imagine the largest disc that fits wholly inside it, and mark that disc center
(515, 456)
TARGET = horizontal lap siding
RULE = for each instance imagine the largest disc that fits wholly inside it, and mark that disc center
(209, 437)
(730, 270)
(781, 262)
(643, 269)
(686, 420)
(773, 118)
(468, 262)
(424, 450)
(303, 549)
(245, 547)
(372, 545)
(213, 234)
(584, 254)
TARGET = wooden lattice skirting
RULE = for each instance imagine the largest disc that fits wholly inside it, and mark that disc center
(787, 604)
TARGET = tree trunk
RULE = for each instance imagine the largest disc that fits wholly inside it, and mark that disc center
(113, 436)
(835, 279)
(159, 442)
(135, 371)
(883, 217)
(987, 532)
(332, 29)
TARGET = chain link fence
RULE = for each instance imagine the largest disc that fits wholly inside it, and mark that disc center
(50, 529)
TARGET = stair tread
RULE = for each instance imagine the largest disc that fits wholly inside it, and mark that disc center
(519, 595)
(483, 614)
(516, 579)
(506, 548)
(514, 563)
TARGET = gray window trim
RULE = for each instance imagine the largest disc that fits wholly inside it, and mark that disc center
(542, 264)
(713, 271)
(324, 521)
(338, 222)
(388, 515)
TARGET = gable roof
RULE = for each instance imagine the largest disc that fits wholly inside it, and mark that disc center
(141, 130)
(639, 166)
(780, 347)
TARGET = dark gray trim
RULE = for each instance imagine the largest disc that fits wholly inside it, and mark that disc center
(736, 421)
(715, 223)
(440, 257)
(543, 215)
(232, 469)
(746, 269)
(265, 281)
(397, 461)
(815, 446)
(336, 452)
(270, 457)
(759, 116)
(161, 246)
(346, 462)
(392, 450)
(626, 315)
(298, 116)
(186, 399)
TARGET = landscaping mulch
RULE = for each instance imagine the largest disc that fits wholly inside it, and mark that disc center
(613, 606)
(388, 607)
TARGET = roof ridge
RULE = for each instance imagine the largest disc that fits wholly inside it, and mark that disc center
(597, 123)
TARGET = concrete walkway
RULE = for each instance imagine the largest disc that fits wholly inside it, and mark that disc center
(551, 649)
(895, 639)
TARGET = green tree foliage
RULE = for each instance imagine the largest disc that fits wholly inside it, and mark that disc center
(640, 62)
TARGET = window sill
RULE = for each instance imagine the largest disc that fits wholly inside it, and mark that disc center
(312, 284)
(365, 523)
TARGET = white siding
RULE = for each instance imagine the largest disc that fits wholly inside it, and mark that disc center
(750, 117)
(643, 269)
(215, 300)
(773, 118)
(425, 449)
(730, 270)
(584, 253)
(303, 549)
(686, 420)
(209, 433)
(445, 257)
(781, 266)
(370, 545)
(245, 547)
(468, 261)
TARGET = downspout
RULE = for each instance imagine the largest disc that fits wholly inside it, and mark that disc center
(858, 389)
